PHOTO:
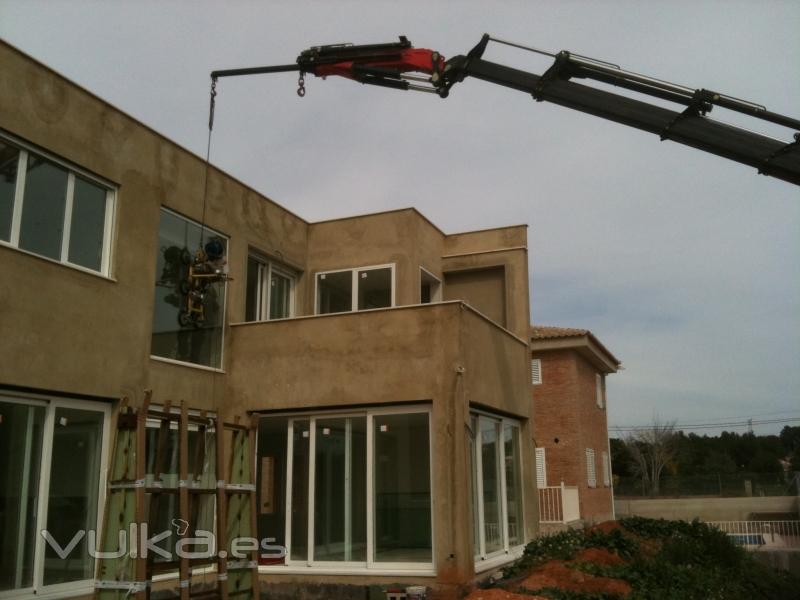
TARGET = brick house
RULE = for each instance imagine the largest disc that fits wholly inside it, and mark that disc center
(390, 449)
(568, 372)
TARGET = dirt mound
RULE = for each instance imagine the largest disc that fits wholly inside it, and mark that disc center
(557, 574)
(599, 556)
(498, 594)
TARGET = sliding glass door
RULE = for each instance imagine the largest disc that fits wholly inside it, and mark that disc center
(497, 486)
(340, 480)
(402, 489)
(357, 491)
(73, 493)
(52, 455)
(21, 430)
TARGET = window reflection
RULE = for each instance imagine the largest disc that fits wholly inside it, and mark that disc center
(178, 239)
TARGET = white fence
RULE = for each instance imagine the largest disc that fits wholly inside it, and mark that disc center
(559, 504)
(761, 534)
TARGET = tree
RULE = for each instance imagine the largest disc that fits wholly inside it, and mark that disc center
(650, 449)
(620, 458)
(790, 438)
(716, 463)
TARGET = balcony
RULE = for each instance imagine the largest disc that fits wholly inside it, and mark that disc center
(559, 504)
(402, 354)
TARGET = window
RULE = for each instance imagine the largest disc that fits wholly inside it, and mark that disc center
(172, 337)
(599, 390)
(430, 287)
(52, 455)
(347, 490)
(541, 468)
(497, 486)
(606, 470)
(355, 289)
(270, 290)
(591, 473)
(54, 210)
(536, 371)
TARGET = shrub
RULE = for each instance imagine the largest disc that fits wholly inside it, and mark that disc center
(695, 561)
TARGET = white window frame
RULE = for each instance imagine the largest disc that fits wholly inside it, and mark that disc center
(591, 468)
(354, 279)
(264, 288)
(541, 467)
(599, 390)
(606, 469)
(479, 553)
(536, 371)
(25, 150)
(437, 297)
(72, 588)
(348, 567)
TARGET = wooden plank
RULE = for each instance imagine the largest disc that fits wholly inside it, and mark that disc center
(250, 453)
(141, 466)
(119, 504)
(183, 476)
(222, 508)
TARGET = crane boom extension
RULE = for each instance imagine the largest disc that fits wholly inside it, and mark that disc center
(391, 65)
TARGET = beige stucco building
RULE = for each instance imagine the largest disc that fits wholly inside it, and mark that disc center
(389, 361)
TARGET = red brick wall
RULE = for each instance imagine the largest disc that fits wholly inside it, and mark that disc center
(565, 408)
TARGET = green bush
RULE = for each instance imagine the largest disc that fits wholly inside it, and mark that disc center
(695, 562)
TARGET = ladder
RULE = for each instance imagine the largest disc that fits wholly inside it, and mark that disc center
(163, 479)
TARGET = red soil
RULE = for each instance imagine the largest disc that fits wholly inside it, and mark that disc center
(557, 574)
(606, 526)
(498, 594)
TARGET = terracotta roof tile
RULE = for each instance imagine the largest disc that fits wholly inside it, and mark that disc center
(543, 332)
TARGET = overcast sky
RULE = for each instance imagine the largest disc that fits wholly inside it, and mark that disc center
(685, 265)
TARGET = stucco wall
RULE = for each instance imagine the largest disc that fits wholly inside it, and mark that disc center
(487, 240)
(444, 355)
(483, 289)
(514, 263)
(82, 334)
(351, 358)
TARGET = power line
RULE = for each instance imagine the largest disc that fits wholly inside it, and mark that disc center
(733, 424)
(706, 421)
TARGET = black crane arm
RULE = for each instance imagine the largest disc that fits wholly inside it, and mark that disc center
(689, 126)
(399, 65)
